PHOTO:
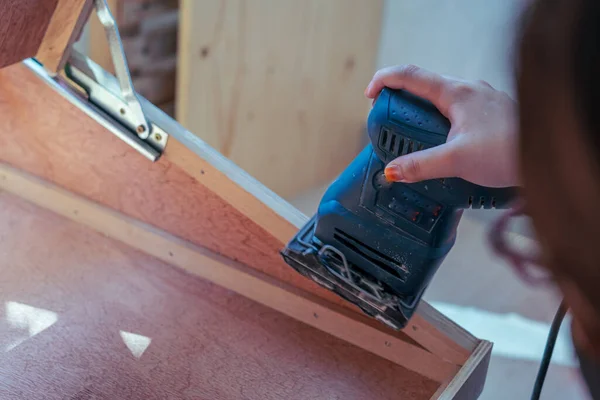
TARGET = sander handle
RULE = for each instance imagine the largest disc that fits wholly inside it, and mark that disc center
(400, 123)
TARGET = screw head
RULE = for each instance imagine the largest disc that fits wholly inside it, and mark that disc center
(158, 137)
(141, 129)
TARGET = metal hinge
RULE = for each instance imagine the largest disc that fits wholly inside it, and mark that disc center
(111, 100)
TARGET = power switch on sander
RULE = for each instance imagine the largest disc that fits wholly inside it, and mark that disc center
(378, 244)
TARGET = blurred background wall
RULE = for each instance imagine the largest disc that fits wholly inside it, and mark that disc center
(468, 38)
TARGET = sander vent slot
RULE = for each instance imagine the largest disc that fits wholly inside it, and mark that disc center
(374, 256)
(397, 145)
(412, 146)
(400, 147)
(384, 137)
(482, 202)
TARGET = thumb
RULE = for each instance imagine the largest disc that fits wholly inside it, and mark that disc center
(436, 162)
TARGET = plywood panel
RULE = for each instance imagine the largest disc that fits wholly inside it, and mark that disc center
(83, 316)
(277, 85)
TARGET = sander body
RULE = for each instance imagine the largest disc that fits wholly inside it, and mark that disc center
(376, 243)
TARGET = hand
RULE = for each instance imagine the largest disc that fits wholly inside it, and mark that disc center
(482, 143)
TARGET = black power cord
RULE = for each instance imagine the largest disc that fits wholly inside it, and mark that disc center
(550, 342)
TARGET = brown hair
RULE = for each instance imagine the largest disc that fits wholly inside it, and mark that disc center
(558, 85)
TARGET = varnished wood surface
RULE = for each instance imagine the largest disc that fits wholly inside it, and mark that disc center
(23, 24)
(205, 342)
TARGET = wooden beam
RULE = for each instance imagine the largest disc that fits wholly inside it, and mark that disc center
(65, 28)
(192, 192)
(23, 24)
(228, 274)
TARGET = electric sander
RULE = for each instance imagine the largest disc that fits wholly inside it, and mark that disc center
(376, 243)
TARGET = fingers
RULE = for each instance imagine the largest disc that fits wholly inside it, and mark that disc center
(419, 81)
(436, 162)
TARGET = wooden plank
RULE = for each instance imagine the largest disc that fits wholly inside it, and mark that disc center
(65, 27)
(23, 24)
(228, 274)
(193, 192)
(279, 83)
(469, 382)
(83, 316)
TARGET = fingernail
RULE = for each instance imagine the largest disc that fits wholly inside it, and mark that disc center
(368, 89)
(393, 173)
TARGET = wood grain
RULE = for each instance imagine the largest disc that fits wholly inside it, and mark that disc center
(224, 272)
(23, 24)
(65, 27)
(183, 193)
(277, 85)
(70, 296)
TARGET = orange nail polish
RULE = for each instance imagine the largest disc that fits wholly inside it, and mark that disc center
(392, 174)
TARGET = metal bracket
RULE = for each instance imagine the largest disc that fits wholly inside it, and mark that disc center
(113, 100)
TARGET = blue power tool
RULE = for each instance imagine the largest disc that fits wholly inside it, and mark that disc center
(378, 244)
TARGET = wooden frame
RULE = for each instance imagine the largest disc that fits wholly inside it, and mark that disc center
(64, 29)
(197, 210)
